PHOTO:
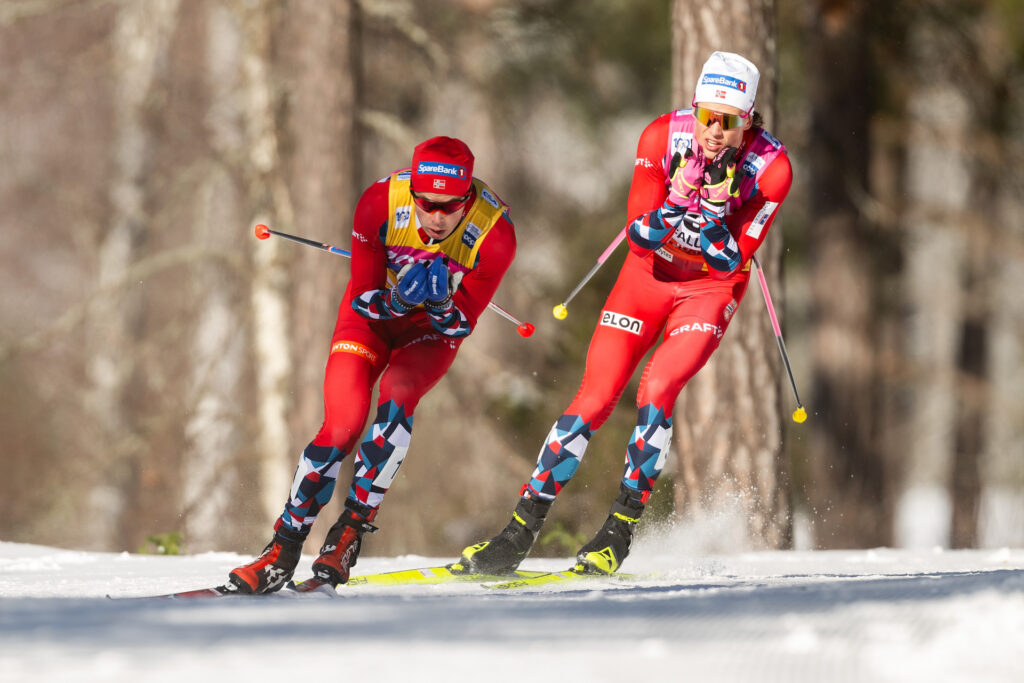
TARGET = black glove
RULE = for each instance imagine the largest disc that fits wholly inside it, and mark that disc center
(721, 180)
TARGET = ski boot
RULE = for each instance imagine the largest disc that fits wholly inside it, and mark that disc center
(341, 546)
(271, 570)
(503, 553)
(605, 553)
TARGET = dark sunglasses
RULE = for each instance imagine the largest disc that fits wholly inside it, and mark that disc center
(446, 208)
(727, 121)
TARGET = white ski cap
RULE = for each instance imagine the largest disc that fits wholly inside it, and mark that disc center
(728, 78)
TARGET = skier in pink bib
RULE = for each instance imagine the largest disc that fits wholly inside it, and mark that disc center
(707, 183)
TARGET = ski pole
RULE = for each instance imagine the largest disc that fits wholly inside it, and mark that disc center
(799, 415)
(560, 311)
(263, 232)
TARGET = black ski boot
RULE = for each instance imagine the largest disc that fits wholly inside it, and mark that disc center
(271, 570)
(503, 553)
(605, 553)
(341, 546)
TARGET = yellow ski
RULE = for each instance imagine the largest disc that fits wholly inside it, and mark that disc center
(574, 574)
(418, 576)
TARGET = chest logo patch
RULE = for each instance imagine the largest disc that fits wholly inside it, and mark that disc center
(402, 216)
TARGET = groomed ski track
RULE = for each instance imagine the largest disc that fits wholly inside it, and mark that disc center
(876, 615)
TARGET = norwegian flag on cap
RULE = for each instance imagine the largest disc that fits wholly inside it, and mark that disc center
(442, 165)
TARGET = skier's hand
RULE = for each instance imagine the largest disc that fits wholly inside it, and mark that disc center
(721, 181)
(720, 178)
(685, 177)
(437, 280)
(411, 289)
(441, 285)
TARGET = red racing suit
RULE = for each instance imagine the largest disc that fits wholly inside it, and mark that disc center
(670, 293)
(408, 354)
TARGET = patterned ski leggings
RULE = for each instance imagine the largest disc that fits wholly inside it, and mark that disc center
(689, 319)
(408, 365)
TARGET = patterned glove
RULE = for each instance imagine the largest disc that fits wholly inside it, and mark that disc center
(721, 182)
(441, 285)
(410, 290)
(651, 230)
(686, 176)
(720, 178)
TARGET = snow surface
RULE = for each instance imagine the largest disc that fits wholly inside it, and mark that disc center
(875, 615)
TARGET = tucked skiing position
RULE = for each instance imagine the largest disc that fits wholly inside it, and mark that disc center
(430, 245)
(707, 183)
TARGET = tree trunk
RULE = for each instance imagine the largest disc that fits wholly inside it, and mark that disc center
(738, 473)
(970, 442)
(324, 159)
(947, 283)
(215, 431)
(141, 38)
(270, 204)
(850, 486)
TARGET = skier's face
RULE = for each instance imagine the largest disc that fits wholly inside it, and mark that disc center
(438, 224)
(721, 127)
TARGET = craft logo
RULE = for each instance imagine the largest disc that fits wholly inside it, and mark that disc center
(622, 322)
(706, 328)
(423, 339)
(724, 81)
(402, 175)
(353, 347)
(438, 168)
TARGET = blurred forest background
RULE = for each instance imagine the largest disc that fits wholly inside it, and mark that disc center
(161, 369)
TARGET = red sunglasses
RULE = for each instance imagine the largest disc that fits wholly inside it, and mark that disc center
(448, 207)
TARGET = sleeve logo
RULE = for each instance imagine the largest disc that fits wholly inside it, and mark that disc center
(761, 219)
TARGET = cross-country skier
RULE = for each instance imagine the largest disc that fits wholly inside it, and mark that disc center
(430, 245)
(707, 182)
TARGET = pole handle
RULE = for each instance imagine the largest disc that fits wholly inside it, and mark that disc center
(263, 232)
